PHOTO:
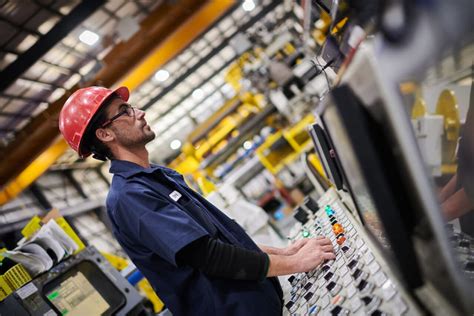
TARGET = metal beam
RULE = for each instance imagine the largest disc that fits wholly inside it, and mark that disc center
(40, 197)
(82, 11)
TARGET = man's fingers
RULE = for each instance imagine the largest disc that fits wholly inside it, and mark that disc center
(328, 256)
(328, 248)
(324, 241)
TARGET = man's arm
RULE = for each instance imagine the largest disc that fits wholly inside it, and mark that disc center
(448, 189)
(229, 261)
(456, 205)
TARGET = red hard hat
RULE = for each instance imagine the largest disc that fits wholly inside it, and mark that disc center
(79, 110)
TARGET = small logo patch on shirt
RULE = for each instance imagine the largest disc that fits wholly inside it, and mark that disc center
(175, 195)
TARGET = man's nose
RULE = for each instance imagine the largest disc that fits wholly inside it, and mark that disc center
(139, 113)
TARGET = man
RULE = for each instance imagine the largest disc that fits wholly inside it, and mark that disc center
(457, 196)
(198, 260)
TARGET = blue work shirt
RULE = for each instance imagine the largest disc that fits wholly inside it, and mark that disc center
(154, 215)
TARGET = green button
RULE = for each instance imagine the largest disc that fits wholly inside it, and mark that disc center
(305, 234)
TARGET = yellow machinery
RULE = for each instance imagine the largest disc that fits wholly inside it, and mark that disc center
(285, 146)
(144, 286)
(447, 106)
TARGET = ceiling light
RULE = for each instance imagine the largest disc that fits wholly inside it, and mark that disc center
(198, 94)
(162, 75)
(247, 145)
(89, 38)
(248, 5)
(175, 144)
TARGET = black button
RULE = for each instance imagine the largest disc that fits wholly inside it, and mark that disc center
(325, 268)
(357, 273)
(330, 286)
(464, 244)
(367, 300)
(345, 248)
(311, 204)
(308, 286)
(328, 276)
(291, 279)
(308, 296)
(336, 310)
(377, 313)
(289, 304)
(362, 284)
(352, 264)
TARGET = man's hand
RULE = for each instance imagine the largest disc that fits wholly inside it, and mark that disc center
(288, 251)
(294, 247)
(313, 253)
(309, 254)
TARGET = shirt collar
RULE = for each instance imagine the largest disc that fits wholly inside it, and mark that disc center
(128, 169)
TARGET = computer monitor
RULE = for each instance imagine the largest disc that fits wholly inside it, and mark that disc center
(83, 290)
(327, 155)
(372, 134)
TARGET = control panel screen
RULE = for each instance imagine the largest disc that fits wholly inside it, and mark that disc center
(76, 296)
(83, 289)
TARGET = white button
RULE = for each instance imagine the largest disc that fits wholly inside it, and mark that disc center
(351, 290)
(398, 306)
(374, 267)
(324, 301)
(388, 290)
(340, 263)
(343, 270)
(359, 242)
(364, 248)
(356, 303)
(346, 280)
(368, 257)
(379, 278)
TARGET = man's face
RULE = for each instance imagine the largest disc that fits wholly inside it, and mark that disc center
(130, 131)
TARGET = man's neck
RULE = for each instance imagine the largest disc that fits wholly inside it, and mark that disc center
(137, 156)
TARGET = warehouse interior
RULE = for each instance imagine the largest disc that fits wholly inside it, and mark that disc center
(346, 119)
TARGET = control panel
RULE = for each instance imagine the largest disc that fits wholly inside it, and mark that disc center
(83, 284)
(357, 282)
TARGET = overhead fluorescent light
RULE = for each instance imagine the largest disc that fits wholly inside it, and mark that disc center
(89, 38)
(175, 144)
(162, 75)
(248, 5)
(198, 94)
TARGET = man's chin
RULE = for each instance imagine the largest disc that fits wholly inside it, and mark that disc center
(150, 136)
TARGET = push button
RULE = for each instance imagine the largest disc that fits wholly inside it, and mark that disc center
(337, 229)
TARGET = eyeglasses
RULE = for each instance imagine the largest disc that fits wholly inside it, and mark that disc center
(127, 109)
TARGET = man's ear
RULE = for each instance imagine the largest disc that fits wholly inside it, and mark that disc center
(104, 134)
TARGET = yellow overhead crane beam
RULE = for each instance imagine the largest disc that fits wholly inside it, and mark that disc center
(33, 171)
(171, 46)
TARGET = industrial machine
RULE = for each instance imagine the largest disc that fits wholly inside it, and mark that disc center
(83, 284)
(395, 255)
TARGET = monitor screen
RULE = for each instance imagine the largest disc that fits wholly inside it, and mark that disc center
(83, 290)
(76, 296)
(360, 143)
(327, 155)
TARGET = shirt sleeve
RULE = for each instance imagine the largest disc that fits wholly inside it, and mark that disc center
(222, 260)
(156, 223)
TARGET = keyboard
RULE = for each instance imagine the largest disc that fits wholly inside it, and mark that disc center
(357, 282)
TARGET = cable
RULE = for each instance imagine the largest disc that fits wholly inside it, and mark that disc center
(323, 69)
